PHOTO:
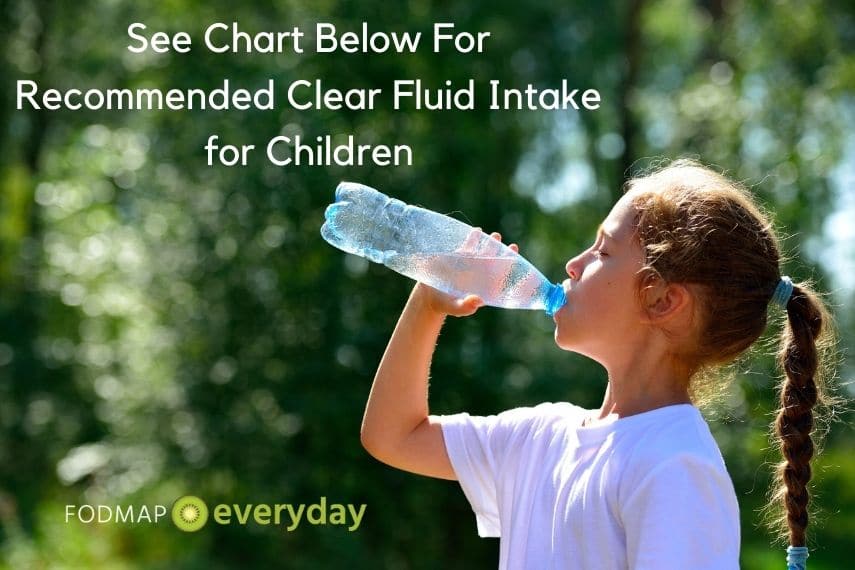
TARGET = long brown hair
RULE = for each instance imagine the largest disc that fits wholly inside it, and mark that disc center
(699, 228)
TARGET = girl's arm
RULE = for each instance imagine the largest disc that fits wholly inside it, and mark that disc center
(396, 428)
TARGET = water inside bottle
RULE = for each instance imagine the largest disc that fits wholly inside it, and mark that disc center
(499, 281)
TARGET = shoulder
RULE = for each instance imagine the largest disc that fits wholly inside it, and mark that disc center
(479, 446)
(511, 427)
(543, 413)
(680, 447)
(680, 432)
(521, 418)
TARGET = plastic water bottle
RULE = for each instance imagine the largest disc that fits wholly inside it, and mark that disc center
(435, 249)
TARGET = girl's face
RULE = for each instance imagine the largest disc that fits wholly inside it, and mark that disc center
(602, 312)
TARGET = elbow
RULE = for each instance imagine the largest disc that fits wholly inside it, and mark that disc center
(367, 441)
(390, 441)
(371, 443)
(377, 449)
(387, 445)
(382, 443)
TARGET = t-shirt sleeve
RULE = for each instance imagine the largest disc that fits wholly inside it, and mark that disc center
(682, 514)
(477, 447)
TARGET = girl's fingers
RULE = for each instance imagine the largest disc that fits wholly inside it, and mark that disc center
(498, 237)
(471, 240)
(470, 303)
(473, 300)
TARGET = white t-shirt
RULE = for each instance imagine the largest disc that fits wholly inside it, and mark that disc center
(648, 491)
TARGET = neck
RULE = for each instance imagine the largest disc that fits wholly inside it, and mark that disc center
(642, 384)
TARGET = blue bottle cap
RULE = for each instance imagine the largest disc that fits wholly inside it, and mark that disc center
(555, 300)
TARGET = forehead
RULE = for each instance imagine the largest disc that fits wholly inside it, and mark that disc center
(620, 223)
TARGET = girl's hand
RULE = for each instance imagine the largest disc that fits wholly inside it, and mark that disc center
(446, 304)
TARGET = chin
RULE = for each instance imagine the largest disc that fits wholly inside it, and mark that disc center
(563, 342)
(573, 345)
(565, 328)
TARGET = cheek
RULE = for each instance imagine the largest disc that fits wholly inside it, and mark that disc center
(602, 294)
(610, 303)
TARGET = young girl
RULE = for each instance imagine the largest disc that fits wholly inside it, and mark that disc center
(678, 281)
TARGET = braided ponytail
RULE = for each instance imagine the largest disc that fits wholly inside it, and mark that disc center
(804, 342)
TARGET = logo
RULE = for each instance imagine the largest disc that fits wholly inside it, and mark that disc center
(189, 513)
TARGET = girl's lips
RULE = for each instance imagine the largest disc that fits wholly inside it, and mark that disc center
(564, 306)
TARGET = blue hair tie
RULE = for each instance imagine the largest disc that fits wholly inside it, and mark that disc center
(797, 557)
(783, 291)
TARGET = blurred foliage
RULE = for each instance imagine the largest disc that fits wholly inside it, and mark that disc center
(168, 327)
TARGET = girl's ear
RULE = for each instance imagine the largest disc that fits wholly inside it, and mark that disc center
(663, 302)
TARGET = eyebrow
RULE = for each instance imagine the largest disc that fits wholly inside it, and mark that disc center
(601, 231)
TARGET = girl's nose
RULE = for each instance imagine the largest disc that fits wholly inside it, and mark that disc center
(573, 268)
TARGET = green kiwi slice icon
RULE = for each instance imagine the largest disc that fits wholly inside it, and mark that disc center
(189, 513)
